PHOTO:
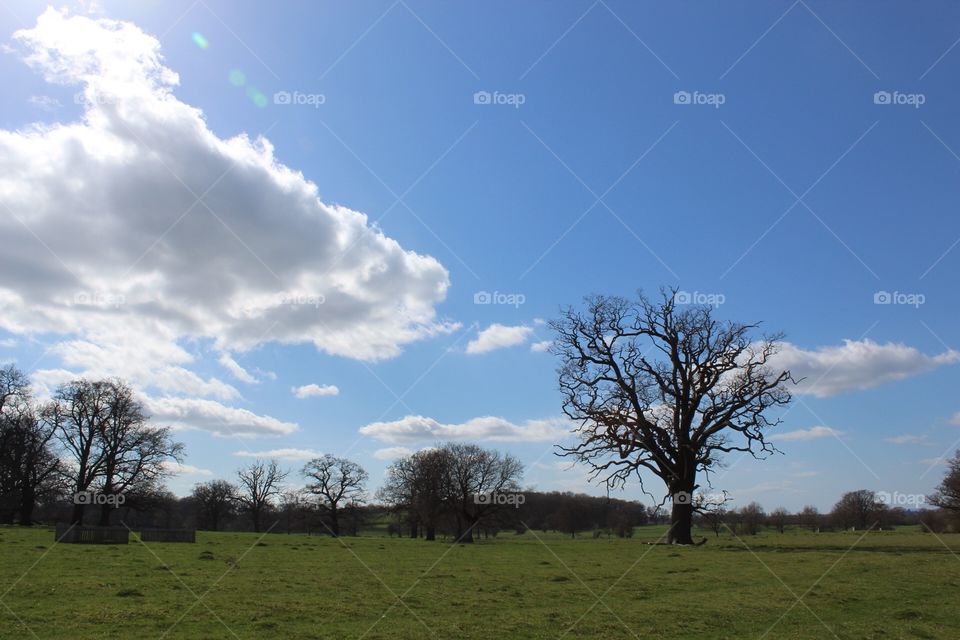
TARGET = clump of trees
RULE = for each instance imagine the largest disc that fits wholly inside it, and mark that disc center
(330, 503)
(859, 510)
(459, 483)
(92, 435)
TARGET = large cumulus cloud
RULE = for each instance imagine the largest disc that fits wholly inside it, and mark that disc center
(139, 214)
(137, 225)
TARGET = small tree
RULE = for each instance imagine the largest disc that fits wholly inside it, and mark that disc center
(947, 495)
(809, 517)
(715, 520)
(259, 484)
(778, 519)
(337, 482)
(751, 518)
(215, 501)
(858, 510)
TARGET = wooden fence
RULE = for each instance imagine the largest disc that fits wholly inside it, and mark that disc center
(76, 534)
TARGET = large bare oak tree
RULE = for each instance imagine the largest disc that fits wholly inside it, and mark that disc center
(660, 387)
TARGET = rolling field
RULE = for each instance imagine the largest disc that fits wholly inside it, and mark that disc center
(901, 584)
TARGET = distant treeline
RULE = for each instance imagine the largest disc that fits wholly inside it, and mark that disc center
(89, 455)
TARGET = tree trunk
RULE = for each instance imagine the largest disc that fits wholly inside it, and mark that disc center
(105, 511)
(431, 533)
(26, 511)
(77, 517)
(334, 522)
(465, 537)
(681, 521)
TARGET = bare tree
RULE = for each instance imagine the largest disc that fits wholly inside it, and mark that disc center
(947, 495)
(809, 517)
(858, 510)
(778, 519)
(134, 452)
(111, 445)
(259, 484)
(653, 387)
(715, 519)
(78, 412)
(336, 482)
(749, 519)
(418, 486)
(478, 478)
(215, 500)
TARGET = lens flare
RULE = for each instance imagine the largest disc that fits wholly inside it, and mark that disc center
(257, 96)
(199, 40)
(237, 78)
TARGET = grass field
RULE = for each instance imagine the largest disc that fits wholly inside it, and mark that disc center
(901, 584)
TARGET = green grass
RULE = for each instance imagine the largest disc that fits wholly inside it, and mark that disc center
(901, 584)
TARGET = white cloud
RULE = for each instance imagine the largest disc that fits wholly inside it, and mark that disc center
(540, 347)
(391, 453)
(907, 438)
(498, 336)
(414, 429)
(148, 361)
(281, 454)
(806, 434)
(260, 258)
(236, 370)
(856, 365)
(955, 420)
(310, 390)
(177, 469)
(214, 417)
(8, 343)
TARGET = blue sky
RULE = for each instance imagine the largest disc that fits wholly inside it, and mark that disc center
(793, 202)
